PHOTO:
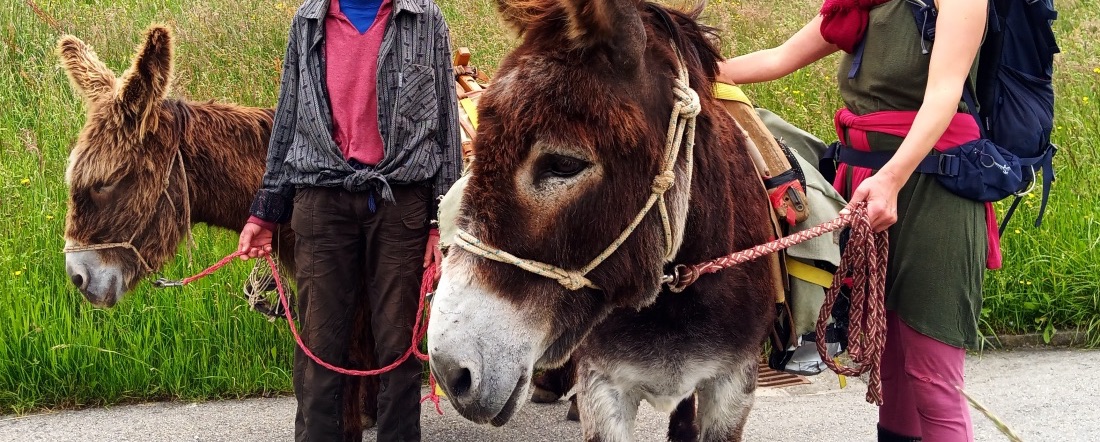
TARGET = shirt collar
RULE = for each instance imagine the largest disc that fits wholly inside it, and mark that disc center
(317, 9)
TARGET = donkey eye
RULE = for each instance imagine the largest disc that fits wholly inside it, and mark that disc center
(102, 190)
(562, 166)
(100, 194)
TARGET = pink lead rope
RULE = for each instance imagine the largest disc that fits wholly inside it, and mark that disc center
(419, 328)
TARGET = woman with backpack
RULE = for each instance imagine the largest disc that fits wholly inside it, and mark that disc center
(903, 96)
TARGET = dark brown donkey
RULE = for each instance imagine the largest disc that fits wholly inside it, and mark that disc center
(571, 148)
(145, 167)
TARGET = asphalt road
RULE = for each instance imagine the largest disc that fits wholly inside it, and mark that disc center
(1044, 395)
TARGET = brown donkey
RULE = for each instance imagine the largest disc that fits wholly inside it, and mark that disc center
(572, 135)
(145, 167)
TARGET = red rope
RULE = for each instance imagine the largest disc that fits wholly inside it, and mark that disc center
(862, 267)
(419, 327)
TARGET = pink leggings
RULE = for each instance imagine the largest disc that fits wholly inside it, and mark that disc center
(919, 375)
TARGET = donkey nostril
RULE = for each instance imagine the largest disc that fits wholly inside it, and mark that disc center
(460, 383)
(78, 280)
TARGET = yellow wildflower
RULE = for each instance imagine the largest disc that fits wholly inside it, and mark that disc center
(1029, 283)
(25, 181)
(17, 272)
(1017, 231)
(49, 217)
(1096, 70)
(1084, 99)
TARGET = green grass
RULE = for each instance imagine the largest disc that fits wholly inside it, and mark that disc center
(202, 341)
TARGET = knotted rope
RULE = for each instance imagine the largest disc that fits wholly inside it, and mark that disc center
(681, 133)
(419, 327)
(862, 268)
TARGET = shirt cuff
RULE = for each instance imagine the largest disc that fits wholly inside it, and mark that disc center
(262, 223)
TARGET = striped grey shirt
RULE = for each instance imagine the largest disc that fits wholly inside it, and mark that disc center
(417, 112)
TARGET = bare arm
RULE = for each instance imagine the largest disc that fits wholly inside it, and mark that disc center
(959, 30)
(804, 47)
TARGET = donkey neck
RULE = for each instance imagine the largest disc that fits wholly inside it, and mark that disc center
(224, 149)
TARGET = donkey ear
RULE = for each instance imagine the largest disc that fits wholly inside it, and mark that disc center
(520, 14)
(88, 75)
(601, 21)
(148, 79)
(614, 23)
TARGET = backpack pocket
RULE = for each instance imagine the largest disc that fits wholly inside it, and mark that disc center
(986, 172)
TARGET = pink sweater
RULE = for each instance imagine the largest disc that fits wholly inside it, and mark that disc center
(351, 70)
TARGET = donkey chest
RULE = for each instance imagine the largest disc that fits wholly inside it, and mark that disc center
(663, 385)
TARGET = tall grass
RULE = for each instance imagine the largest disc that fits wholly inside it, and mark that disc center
(203, 342)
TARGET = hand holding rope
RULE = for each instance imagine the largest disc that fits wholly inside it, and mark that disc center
(419, 327)
(862, 268)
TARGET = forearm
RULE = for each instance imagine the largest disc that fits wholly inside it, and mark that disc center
(939, 107)
(803, 48)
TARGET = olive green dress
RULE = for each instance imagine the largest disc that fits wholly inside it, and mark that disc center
(938, 245)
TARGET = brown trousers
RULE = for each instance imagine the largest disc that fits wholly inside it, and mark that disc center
(352, 261)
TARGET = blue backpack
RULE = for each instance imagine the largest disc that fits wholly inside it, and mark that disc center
(1014, 91)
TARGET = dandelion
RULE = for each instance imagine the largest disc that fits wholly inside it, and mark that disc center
(25, 181)
(17, 272)
(1029, 283)
(1096, 70)
(1084, 99)
(1017, 231)
(49, 217)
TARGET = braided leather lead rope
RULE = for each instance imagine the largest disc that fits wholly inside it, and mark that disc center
(862, 267)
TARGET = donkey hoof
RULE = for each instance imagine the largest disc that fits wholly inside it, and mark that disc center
(573, 414)
(544, 396)
(367, 421)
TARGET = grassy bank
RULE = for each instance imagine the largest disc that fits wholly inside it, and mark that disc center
(203, 342)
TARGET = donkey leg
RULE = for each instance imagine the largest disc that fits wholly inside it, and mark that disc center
(551, 385)
(724, 403)
(681, 425)
(607, 411)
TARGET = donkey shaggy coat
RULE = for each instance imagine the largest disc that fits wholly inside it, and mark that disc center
(571, 136)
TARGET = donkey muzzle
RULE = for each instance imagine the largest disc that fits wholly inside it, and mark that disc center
(101, 285)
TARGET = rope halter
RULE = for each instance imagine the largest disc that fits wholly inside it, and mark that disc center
(681, 133)
(129, 244)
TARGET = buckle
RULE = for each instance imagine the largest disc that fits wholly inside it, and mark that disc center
(161, 283)
(947, 165)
